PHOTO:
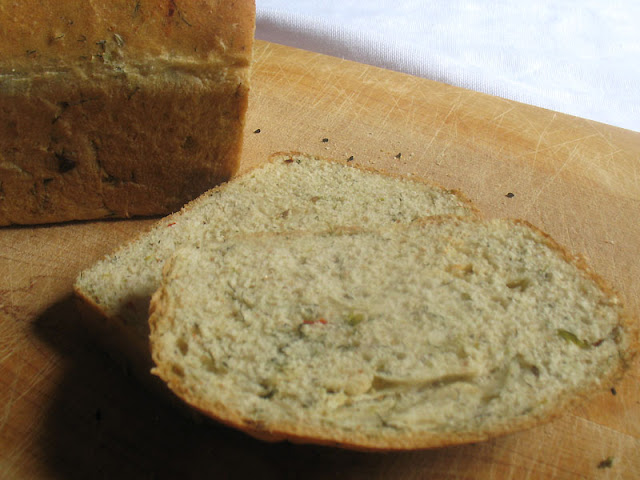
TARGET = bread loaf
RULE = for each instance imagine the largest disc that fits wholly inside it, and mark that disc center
(119, 108)
(434, 333)
(291, 192)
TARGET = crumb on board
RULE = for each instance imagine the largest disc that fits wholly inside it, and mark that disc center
(606, 463)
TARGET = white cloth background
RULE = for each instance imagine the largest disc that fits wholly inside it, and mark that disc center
(580, 57)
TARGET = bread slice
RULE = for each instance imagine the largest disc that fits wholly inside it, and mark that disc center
(119, 108)
(439, 332)
(291, 192)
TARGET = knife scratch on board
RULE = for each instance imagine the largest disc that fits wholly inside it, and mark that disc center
(392, 109)
(11, 393)
(541, 136)
(497, 119)
(570, 158)
(263, 54)
(453, 108)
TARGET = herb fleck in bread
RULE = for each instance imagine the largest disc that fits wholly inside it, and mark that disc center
(292, 192)
(119, 108)
(439, 332)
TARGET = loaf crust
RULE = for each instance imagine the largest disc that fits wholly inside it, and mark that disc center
(120, 108)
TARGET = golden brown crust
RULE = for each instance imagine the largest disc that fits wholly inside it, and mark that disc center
(299, 433)
(119, 108)
(59, 34)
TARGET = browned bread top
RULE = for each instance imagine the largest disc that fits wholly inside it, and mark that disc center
(121, 108)
(63, 34)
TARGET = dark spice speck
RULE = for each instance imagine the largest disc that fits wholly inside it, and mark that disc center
(606, 463)
(65, 164)
(256, 131)
(613, 391)
(325, 140)
(510, 195)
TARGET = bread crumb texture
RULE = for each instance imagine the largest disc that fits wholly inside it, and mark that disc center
(292, 192)
(413, 336)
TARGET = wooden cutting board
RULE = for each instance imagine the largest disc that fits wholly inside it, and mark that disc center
(67, 411)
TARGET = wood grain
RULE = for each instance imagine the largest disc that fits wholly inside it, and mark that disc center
(67, 410)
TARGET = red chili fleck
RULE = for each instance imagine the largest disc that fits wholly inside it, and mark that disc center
(312, 322)
(171, 224)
